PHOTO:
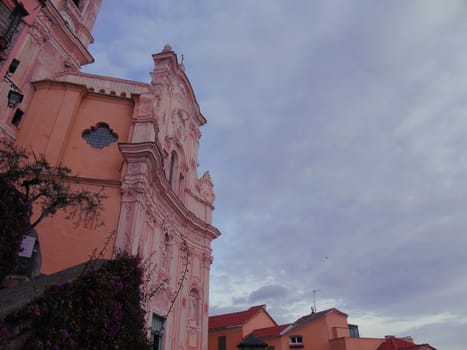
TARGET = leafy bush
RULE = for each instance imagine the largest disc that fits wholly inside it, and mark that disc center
(100, 310)
(14, 223)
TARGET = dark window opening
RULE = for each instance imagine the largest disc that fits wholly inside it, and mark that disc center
(353, 330)
(76, 3)
(156, 332)
(222, 343)
(10, 21)
(10, 26)
(181, 186)
(173, 160)
(16, 120)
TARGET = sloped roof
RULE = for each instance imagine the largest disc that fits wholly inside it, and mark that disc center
(14, 298)
(235, 319)
(252, 341)
(313, 316)
(393, 343)
(271, 331)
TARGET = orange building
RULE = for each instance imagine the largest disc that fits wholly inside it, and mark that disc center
(324, 330)
(135, 141)
(228, 330)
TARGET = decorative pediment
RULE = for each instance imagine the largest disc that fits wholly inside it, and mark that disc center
(169, 74)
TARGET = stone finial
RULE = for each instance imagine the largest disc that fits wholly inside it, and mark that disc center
(167, 48)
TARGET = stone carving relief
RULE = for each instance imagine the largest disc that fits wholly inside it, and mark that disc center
(178, 92)
(207, 188)
(179, 124)
(166, 224)
(193, 307)
(207, 260)
(68, 20)
(194, 132)
(39, 32)
(166, 252)
(145, 107)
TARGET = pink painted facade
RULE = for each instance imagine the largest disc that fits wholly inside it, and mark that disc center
(138, 142)
(53, 37)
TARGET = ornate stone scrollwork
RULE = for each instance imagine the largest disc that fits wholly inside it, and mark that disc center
(39, 32)
(207, 188)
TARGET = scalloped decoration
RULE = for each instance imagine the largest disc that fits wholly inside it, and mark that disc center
(99, 136)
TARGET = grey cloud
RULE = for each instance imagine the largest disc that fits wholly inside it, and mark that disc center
(335, 129)
(269, 292)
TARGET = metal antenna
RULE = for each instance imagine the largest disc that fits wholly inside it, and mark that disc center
(314, 298)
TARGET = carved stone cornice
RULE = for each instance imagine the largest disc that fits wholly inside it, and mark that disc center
(62, 34)
(199, 199)
(148, 155)
(207, 260)
(105, 85)
(39, 32)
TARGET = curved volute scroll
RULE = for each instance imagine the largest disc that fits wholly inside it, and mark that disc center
(206, 188)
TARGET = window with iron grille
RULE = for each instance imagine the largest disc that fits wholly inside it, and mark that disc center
(99, 136)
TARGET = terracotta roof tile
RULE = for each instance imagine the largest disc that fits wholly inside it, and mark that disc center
(270, 331)
(234, 319)
(393, 343)
(315, 315)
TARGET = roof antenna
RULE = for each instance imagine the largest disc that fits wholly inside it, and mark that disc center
(182, 59)
(314, 300)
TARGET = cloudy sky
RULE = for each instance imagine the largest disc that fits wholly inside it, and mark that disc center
(337, 142)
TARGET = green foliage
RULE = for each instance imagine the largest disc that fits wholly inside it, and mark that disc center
(100, 310)
(14, 223)
(47, 186)
(28, 180)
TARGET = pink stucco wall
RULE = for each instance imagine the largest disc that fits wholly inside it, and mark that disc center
(44, 49)
(147, 210)
(55, 130)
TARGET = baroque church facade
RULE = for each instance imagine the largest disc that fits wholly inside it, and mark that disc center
(136, 142)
